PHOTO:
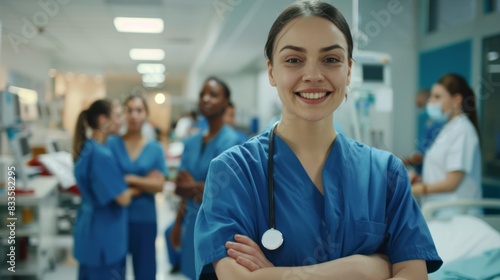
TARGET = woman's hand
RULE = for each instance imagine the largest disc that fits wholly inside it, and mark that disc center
(184, 177)
(418, 188)
(414, 177)
(135, 191)
(186, 186)
(247, 253)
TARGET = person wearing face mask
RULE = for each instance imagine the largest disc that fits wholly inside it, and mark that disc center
(452, 165)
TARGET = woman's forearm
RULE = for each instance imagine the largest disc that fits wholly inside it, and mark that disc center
(146, 184)
(449, 184)
(353, 267)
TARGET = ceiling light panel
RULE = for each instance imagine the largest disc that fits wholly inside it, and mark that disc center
(138, 25)
(153, 78)
(147, 54)
(151, 68)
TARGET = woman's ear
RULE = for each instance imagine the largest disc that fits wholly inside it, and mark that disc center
(458, 99)
(349, 72)
(270, 73)
(103, 122)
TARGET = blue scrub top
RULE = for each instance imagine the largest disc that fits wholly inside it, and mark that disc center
(142, 208)
(196, 160)
(100, 230)
(367, 206)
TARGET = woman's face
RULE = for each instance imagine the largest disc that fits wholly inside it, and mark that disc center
(311, 68)
(116, 118)
(213, 101)
(136, 114)
(440, 95)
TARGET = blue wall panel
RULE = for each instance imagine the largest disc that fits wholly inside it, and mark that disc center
(456, 58)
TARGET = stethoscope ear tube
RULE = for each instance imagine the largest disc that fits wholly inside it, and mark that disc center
(272, 238)
(270, 180)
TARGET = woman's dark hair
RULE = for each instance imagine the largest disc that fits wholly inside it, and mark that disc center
(308, 8)
(225, 87)
(88, 118)
(456, 84)
(140, 97)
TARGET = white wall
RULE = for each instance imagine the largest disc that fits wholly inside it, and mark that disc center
(396, 36)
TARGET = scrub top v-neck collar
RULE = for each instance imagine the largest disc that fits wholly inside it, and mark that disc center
(139, 155)
(290, 157)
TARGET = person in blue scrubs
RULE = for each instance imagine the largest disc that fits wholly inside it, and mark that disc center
(345, 210)
(230, 119)
(100, 231)
(143, 162)
(199, 150)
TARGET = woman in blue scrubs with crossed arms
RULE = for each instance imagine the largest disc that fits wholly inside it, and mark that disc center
(143, 162)
(199, 150)
(100, 232)
(342, 210)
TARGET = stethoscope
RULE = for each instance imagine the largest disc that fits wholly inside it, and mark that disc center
(272, 238)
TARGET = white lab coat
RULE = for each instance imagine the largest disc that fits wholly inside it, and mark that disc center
(455, 149)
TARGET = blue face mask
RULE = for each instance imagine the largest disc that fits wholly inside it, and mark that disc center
(435, 112)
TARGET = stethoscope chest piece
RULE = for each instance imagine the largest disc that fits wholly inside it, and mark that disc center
(272, 239)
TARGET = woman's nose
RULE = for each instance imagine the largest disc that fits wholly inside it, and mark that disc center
(313, 73)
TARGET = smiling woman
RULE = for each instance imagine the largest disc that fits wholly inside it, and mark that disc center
(337, 208)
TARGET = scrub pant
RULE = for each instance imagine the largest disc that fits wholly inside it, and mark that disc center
(142, 237)
(106, 272)
(174, 255)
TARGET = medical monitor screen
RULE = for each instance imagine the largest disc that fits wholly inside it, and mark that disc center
(24, 146)
(55, 146)
(373, 73)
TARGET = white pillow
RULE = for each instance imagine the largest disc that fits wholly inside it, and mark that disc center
(463, 236)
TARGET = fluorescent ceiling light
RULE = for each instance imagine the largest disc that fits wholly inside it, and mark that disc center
(153, 78)
(151, 85)
(151, 68)
(138, 25)
(147, 54)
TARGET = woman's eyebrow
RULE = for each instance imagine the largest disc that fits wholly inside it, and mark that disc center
(332, 47)
(295, 48)
(300, 49)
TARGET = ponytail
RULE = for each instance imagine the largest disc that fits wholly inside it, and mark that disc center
(456, 84)
(89, 119)
(80, 134)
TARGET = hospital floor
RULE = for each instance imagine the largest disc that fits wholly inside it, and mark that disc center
(67, 269)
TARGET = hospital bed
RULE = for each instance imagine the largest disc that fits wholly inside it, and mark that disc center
(468, 244)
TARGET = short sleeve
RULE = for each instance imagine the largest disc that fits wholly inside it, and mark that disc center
(408, 235)
(460, 154)
(107, 181)
(226, 210)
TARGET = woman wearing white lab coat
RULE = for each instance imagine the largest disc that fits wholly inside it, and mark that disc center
(452, 166)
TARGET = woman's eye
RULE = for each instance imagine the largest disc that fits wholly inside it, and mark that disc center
(293, 60)
(330, 60)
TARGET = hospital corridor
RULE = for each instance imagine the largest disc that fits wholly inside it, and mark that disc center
(249, 139)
